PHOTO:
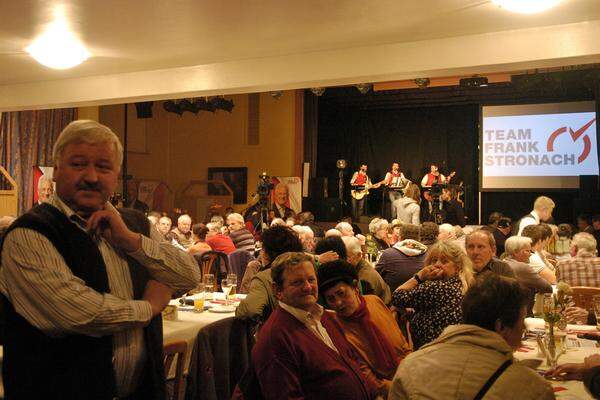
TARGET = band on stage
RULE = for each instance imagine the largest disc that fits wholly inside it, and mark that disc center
(439, 200)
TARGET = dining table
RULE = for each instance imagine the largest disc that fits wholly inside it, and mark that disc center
(576, 350)
(210, 364)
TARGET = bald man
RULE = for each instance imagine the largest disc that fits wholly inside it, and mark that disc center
(281, 197)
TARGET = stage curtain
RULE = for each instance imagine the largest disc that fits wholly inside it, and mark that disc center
(26, 140)
(414, 137)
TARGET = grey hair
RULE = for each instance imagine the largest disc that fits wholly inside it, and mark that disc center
(43, 179)
(344, 226)
(447, 228)
(236, 217)
(184, 216)
(378, 224)
(584, 240)
(515, 244)
(90, 132)
(352, 245)
(165, 217)
(213, 227)
(333, 232)
(217, 219)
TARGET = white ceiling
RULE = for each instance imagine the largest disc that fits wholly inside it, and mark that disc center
(219, 37)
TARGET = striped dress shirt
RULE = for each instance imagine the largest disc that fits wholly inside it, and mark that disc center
(36, 280)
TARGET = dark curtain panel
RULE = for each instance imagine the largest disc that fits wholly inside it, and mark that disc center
(26, 140)
(413, 137)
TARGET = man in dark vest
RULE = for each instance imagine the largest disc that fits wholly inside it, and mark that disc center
(83, 285)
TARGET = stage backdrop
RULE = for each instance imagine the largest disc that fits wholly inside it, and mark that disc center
(413, 137)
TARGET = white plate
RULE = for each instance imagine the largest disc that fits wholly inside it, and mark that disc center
(222, 309)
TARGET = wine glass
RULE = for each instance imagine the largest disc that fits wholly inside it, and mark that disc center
(233, 277)
(227, 285)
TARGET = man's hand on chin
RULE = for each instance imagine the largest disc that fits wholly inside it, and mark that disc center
(110, 225)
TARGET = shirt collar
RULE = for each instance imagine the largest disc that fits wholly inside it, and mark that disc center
(57, 202)
(306, 317)
(535, 216)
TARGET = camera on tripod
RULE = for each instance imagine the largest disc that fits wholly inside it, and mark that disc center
(264, 188)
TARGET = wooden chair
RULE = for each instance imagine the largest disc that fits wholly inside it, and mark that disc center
(216, 263)
(583, 296)
(171, 351)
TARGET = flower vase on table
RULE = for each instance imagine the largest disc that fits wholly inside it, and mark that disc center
(556, 323)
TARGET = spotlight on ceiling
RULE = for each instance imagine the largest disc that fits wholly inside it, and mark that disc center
(318, 91)
(144, 109)
(203, 105)
(221, 103)
(476, 81)
(422, 83)
(526, 6)
(171, 107)
(276, 94)
(364, 88)
(186, 105)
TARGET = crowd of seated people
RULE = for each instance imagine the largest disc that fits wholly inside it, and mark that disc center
(353, 316)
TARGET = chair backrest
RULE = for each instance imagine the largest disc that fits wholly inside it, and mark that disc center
(214, 262)
(172, 351)
(583, 296)
(238, 261)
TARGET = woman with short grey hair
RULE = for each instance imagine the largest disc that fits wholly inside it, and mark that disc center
(377, 240)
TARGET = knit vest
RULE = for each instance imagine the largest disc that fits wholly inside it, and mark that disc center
(75, 366)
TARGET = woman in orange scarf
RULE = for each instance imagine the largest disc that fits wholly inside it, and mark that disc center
(368, 324)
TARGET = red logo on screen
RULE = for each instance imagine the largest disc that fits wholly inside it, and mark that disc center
(587, 143)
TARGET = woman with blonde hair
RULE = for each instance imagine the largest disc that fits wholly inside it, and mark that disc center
(436, 292)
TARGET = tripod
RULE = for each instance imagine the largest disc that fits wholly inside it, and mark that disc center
(341, 191)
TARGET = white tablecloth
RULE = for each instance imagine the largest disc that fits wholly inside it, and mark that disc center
(188, 325)
(564, 389)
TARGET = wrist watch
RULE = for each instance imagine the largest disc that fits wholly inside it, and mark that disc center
(418, 278)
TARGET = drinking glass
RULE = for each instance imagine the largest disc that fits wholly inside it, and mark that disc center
(209, 283)
(233, 278)
(227, 285)
(199, 297)
(596, 302)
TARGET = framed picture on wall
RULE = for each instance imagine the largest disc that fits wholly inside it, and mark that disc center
(236, 178)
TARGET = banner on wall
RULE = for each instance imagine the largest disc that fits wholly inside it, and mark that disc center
(42, 183)
(287, 190)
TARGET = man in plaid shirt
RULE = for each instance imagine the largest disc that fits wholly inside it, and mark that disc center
(583, 269)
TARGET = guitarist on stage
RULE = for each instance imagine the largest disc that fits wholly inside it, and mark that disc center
(396, 183)
(360, 180)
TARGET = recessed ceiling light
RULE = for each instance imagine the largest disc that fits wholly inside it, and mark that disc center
(526, 6)
(57, 47)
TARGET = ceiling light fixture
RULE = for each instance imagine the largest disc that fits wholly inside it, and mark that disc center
(526, 6)
(57, 47)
